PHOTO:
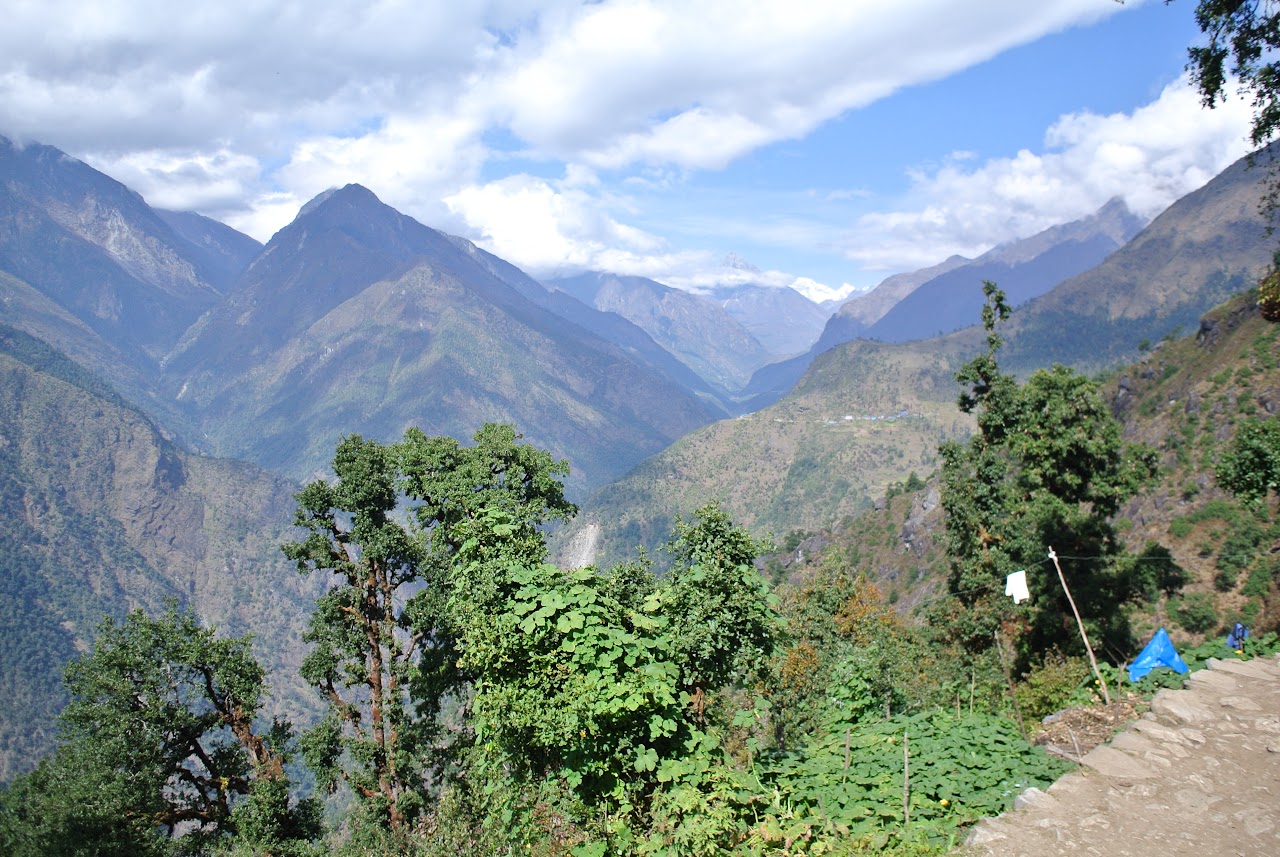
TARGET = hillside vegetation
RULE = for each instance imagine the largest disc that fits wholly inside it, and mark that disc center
(1186, 398)
(787, 466)
(862, 417)
(101, 514)
(480, 700)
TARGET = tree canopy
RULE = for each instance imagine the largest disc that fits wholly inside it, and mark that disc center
(161, 744)
(1046, 468)
(1250, 467)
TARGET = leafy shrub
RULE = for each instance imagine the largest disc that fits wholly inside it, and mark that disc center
(1179, 528)
(1159, 679)
(1216, 509)
(1241, 545)
(1259, 581)
(1196, 613)
(1251, 467)
(1053, 685)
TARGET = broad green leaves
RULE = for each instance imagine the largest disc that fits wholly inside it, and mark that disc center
(962, 768)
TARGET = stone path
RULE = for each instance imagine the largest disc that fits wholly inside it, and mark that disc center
(1198, 775)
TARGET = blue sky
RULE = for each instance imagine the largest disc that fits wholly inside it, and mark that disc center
(829, 144)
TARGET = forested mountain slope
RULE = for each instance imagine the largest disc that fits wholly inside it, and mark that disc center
(1187, 398)
(101, 514)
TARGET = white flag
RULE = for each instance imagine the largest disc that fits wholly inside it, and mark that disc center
(1016, 585)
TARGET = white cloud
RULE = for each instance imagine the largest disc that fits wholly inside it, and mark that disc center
(1150, 157)
(664, 81)
(214, 182)
(362, 86)
(546, 229)
(244, 110)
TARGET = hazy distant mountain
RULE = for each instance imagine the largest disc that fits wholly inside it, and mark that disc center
(99, 252)
(858, 313)
(356, 318)
(221, 250)
(866, 413)
(1024, 269)
(783, 320)
(694, 328)
(1205, 247)
(948, 296)
(100, 514)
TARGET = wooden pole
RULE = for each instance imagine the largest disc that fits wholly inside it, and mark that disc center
(1008, 677)
(1106, 697)
(906, 783)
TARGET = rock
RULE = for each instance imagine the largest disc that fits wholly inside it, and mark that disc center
(1032, 797)
(1134, 742)
(1258, 668)
(1216, 679)
(1181, 705)
(1240, 703)
(984, 832)
(1114, 763)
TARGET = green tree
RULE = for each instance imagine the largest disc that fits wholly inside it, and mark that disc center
(572, 685)
(363, 651)
(1243, 36)
(159, 742)
(451, 484)
(1250, 468)
(1046, 468)
(721, 615)
(583, 683)
(389, 528)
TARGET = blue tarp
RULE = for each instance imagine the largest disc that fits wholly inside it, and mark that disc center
(1158, 653)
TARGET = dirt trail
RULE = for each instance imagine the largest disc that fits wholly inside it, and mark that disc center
(1198, 775)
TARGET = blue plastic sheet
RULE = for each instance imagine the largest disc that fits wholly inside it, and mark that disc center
(1158, 653)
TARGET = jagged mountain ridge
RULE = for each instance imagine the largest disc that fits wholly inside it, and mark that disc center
(358, 318)
(943, 298)
(99, 251)
(695, 329)
(177, 311)
(1207, 246)
(1024, 269)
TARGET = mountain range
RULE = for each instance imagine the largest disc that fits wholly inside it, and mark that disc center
(941, 299)
(866, 413)
(142, 350)
(352, 318)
